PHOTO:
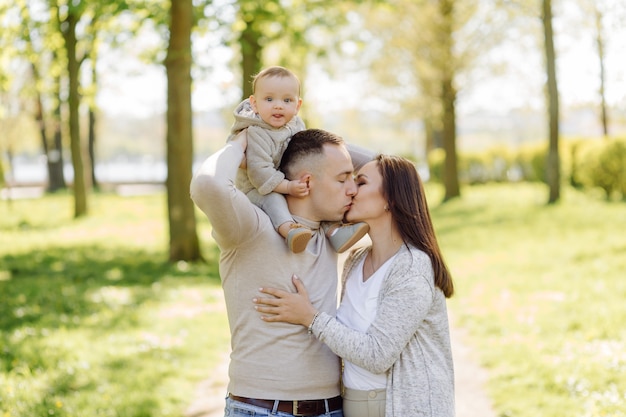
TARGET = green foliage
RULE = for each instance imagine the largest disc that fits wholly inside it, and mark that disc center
(603, 165)
(541, 291)
(436, 159)
(479, 168)
(531, 160)
(587, 163)
(93, 321)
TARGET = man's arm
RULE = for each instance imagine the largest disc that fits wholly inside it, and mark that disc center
(232, 216)
(359, 155)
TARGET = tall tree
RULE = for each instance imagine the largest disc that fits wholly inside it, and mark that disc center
(79, 22)
(448, 99)
(423, 48)
(594, 18)
(553, 169)
(252, 15)
(184, 244)
(68, 18)
(286, 29)
(34, 39)
(600, 48)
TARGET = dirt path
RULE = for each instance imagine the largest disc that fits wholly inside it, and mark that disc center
(471, 398)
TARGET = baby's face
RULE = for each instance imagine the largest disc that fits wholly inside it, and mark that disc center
(276, 100)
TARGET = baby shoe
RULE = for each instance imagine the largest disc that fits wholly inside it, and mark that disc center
(298, 237)
(344, 236)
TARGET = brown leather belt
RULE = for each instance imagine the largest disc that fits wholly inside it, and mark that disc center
(297, 408)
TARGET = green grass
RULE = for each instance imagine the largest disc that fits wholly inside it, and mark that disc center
(542, 291)
(93, 321)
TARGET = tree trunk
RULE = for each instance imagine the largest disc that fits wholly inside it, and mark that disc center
(39, 117)
(184, 244)
(91, 136)
(250, 56)
(55, 159)
(92, 146)
(553, 173)
(600, 45)
(56, 180)
(448, 101)
(450, 169)
(73, 65)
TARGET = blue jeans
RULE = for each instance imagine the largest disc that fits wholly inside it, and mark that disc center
(238, 409)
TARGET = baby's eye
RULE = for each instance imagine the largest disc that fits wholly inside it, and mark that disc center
(288, 100)
(268, 99)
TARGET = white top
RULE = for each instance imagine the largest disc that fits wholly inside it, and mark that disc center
(357, 311)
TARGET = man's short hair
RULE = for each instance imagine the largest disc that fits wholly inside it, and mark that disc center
(303, 147)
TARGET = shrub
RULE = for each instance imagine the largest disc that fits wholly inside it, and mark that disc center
(603, 166)
(436, 159)
(531, 160)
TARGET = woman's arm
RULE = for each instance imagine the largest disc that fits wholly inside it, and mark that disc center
(294, 308)
(405, 303)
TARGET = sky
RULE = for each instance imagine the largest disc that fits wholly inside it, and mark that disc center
(131, 87)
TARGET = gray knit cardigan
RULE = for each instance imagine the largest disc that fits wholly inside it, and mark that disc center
(409, 339)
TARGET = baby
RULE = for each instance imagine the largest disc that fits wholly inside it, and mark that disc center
(270, 116)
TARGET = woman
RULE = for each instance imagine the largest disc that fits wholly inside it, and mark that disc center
(391, 328)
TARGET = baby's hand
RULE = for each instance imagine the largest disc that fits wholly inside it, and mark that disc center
(298, 188)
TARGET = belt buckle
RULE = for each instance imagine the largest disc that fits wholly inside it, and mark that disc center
(294, 409)
(307, 411)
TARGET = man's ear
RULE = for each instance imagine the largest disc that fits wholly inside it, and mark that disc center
(306, 177)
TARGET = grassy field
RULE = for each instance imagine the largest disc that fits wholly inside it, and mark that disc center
(93, 322)
(542, 291)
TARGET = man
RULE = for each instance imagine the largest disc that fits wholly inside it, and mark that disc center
(276, 367)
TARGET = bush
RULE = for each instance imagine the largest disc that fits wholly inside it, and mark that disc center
(474, 168)
(436, 159)
(531, 160)
(603, 165)
(584, 163)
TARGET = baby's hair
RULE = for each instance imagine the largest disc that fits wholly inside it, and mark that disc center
(274, 71)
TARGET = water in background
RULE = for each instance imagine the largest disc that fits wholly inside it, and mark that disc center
(118, 171)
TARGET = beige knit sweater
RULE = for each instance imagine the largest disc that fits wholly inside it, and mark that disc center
(269, 360)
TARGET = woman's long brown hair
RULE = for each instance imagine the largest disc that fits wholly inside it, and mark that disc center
(404, 192)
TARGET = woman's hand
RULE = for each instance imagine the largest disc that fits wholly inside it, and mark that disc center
(294, 308)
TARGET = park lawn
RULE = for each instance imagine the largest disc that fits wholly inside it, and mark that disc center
(94, 323)
(542, 292)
